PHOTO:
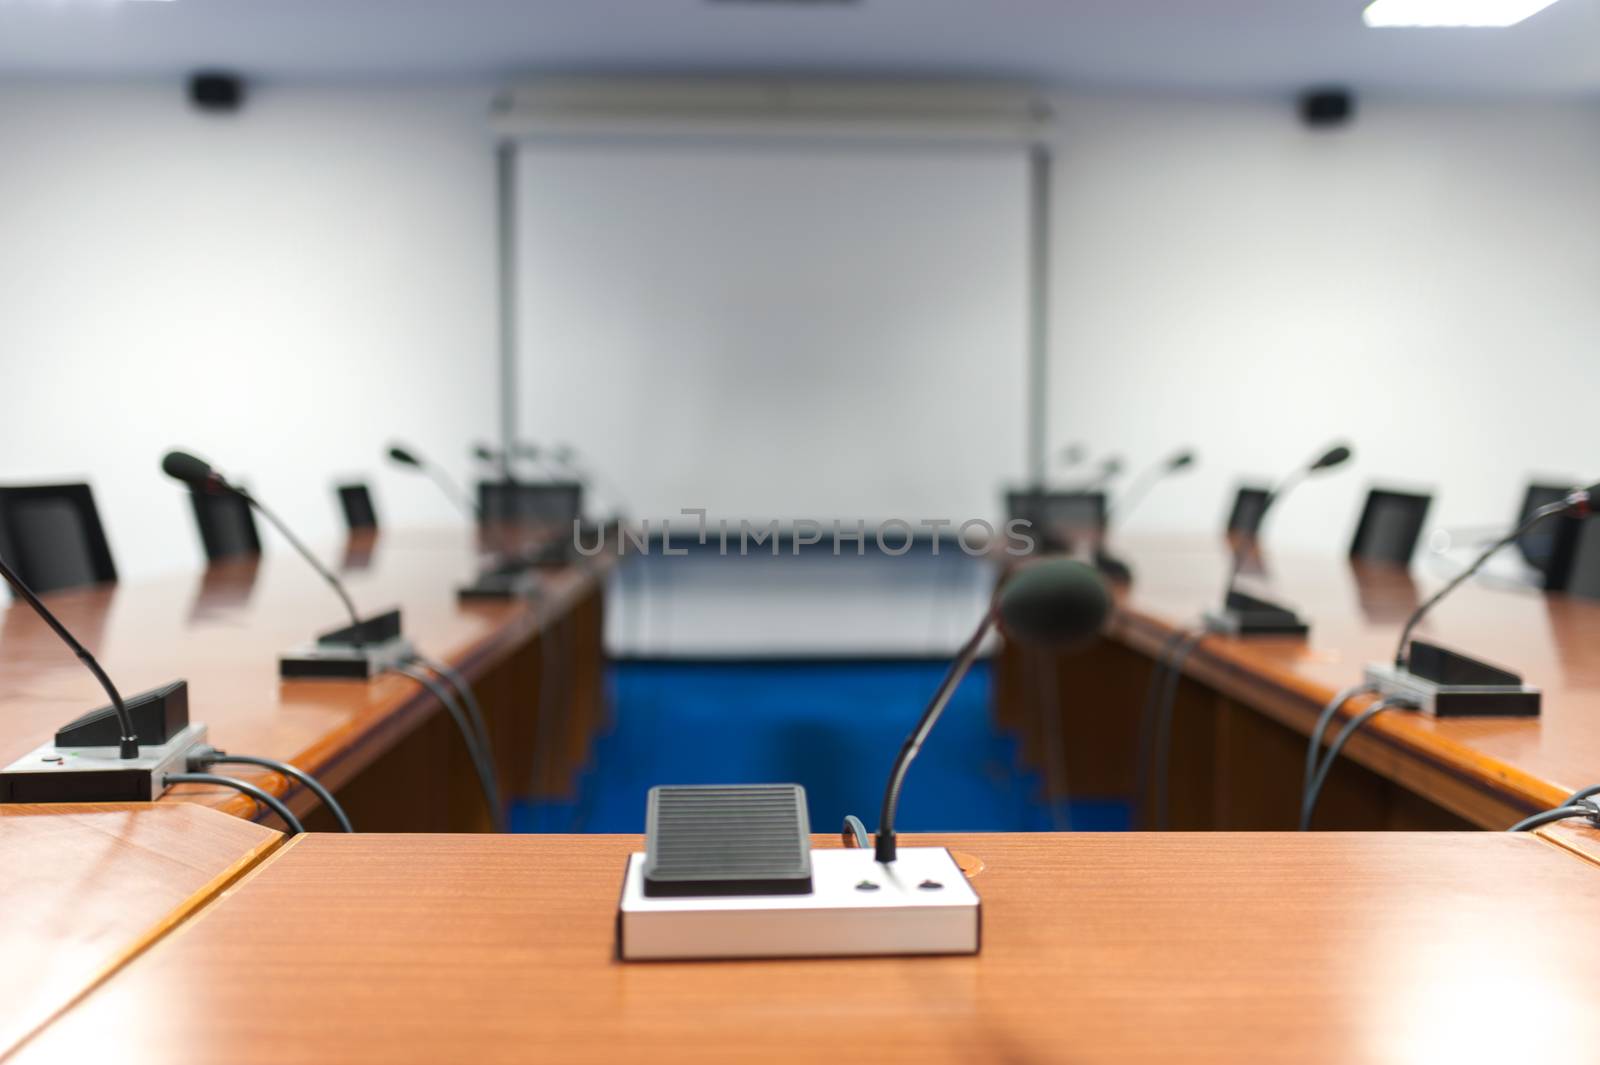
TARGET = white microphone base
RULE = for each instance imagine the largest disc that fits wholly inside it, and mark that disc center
(345, 662)
(98, 774)
(1454, 700)
(919, 904)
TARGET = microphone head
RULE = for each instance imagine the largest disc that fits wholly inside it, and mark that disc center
(402, 456)
(1111, 466)
(1055, 603)
(1334, 456)
(484, 453)
(192, 471)
(1182, 460)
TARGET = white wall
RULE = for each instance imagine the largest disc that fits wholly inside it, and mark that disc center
(1425, 282)
(281, 291)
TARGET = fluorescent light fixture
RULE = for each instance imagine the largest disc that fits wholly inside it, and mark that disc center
(1480, 13)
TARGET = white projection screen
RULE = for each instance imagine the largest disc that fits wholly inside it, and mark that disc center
(777, 331)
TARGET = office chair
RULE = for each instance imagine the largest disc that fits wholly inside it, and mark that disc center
(52, 536)
(1056, 518)
(1391, 524)
(356, 502)
(227, 525)
(1574, 561)
(1249, 504)
(557, 503)
(1537, 546)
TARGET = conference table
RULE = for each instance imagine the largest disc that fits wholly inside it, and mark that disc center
(384, 746)
(1126, 947)
(1246, 705)
(171, 931)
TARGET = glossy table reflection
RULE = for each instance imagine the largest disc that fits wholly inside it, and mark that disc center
(84, 888)
(1223, 948)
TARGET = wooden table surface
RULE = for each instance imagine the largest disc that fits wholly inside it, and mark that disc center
(1227, 948)
(84, 888)
(222, 629)
(1356, 616)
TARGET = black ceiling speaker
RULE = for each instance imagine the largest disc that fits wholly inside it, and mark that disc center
(216, 91)
(1327, 108)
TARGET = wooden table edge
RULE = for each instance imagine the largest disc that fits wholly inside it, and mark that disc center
(1516, 792)
(535, 617)
(212, 890)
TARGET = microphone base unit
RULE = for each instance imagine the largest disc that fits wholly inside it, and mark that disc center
(158, 715)
(509, 581)
(336, 656)
(1241, 623)
(1246, 615)
(920, 904)
(1445, 683)
(51, 773)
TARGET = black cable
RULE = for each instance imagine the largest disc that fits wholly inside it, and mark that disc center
(550, 688)
(485, 772)
(1560, 813)
(1147, 715)
(265, 798)
(474, 709)
(1162, 767)
(855, 833)
(1324, 719)
(202, 757)
(1308, 805)
(1055, 743)
(1582, 794)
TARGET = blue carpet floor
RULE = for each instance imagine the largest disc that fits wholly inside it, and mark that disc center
(833, 727)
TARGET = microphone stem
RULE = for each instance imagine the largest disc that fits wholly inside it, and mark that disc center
(885, 848)
(129, 746)
(457, 495)
(1400, 656)
(1244, 542)
(1136, 492)
(305, 552)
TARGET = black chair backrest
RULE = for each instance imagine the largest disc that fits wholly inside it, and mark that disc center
(227, 526)
(557, 503)
(1574, 561)
(356, 502)
(1538, 547)
(52, 536)
(1249, 504)
(1391, 524)
(1056, 517)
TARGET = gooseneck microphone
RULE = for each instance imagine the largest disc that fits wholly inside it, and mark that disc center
(128, 742)
(1147, 480)
(201, 477)
(1333, 457)
(404, 456)
(1110, 469)
(1054, 603)
(1578, 503)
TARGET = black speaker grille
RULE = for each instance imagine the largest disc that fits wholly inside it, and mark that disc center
(741, 839)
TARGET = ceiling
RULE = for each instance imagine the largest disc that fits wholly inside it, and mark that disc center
(1203, 46)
